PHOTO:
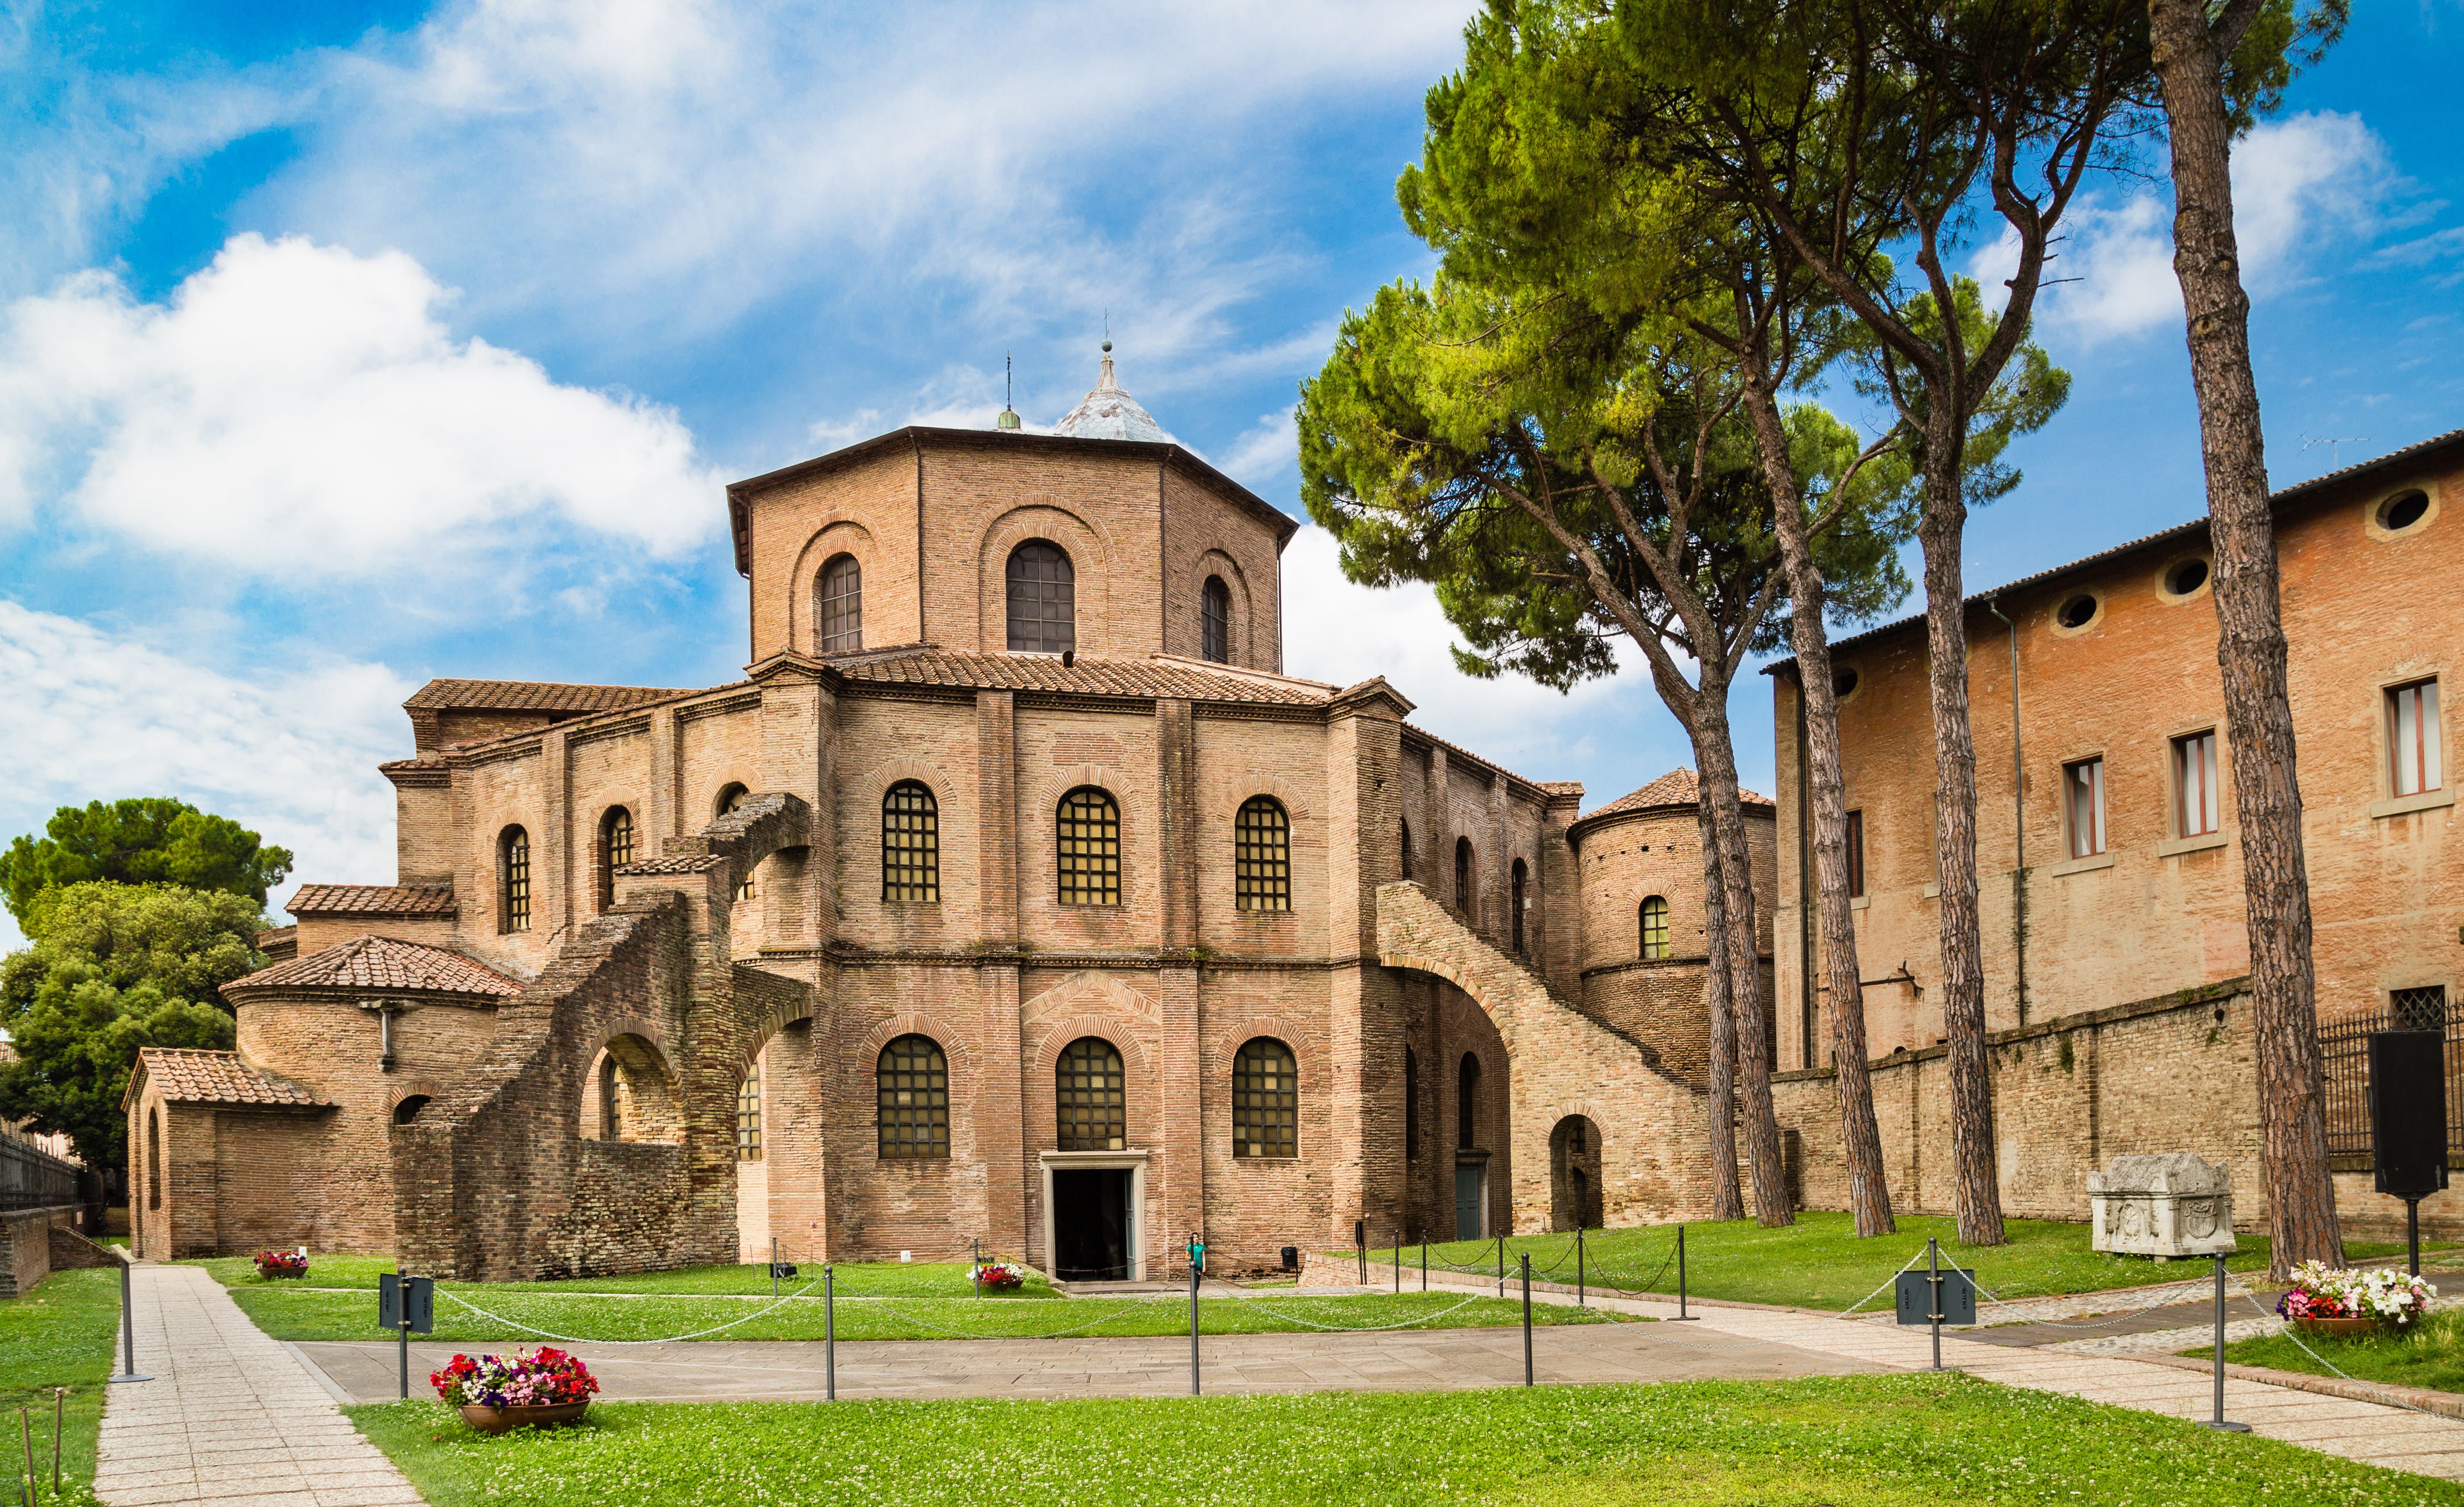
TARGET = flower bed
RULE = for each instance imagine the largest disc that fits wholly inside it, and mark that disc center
(1000, 1276)
(281, 1263)
(2321, 1295)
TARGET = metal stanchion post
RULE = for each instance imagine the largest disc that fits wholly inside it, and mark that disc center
(59, 1405)
(1501, 1263)
(2218, 1422)
(1192, 1328)
(1682, 1313)
(975, 1267)
(1527, 1317)
(1580, 1300)
(128, 1371)
(774, 1266)
(1933, 1277)
(1424, 1263)
(26, 1428)
(830, 1334)
(1398, 1263)
(2411, 1235)
(402, 1346)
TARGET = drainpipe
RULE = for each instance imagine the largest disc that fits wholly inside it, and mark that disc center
(2019, 821)
(1805, 896)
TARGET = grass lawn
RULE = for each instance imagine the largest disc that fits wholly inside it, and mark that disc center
(1877, 1441)
(287, 1312)
(2431, 1355)
(58, 1335)
(856, 1280)
(1819, 1263)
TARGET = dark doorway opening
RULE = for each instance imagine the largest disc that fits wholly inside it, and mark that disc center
(1091, 1225)
(1467, 1208)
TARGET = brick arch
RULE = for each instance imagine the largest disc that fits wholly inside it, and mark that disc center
(1241, 641)
(874, 783)
(1238, 792)
(1045, 1055)
(766, 823)
(1092, 565)
(774, 1019)
(412, 1088)
(838, 536)
(1226, 1038)
(943, 1034)
(1108, 778)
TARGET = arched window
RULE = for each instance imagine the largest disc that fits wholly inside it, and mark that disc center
(408, 1109)
(1468, 1103)
(611, 1118)
(1518, 878)
(1410, 1104)
(1462, 876)
(1088, 831)
(911, 843)
(1407, 850)
(615, 851)
(1214, 620)
(1090, 1097)
(732, 799)
(1265, 1101)
(153, 1158)
(838, 618)
(748, 1114)
(1262, 856)
(1043, 600)
(514, 880)
(1655, 927)
(914, 1083)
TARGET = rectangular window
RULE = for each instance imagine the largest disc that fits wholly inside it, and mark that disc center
(2194, 784)
(2413, 738)
(1856, 855)
(2083, 806)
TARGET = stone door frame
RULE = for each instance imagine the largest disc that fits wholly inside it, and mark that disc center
(1134, 1161)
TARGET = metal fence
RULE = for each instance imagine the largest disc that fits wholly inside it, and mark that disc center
(33, 1178)
(2346, 1045)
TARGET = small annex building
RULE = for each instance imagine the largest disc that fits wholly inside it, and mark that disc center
(1015, 893)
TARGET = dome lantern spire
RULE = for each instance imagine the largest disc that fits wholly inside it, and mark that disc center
(1108, 412)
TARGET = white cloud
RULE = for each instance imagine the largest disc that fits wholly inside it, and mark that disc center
(1336, 631)
(1266, 452)
(2303, 186)
(294, 406)
(94, 715)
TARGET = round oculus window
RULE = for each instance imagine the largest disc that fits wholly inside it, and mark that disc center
(1843, 684)
(2185, 577)
(2404, 510)
(2078, 612)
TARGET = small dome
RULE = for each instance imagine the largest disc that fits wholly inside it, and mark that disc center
(1109, 413)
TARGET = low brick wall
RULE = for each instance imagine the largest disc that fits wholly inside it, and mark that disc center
(37, 1243)
(2177, 1073)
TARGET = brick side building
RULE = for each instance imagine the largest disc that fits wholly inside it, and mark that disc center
(2107, 851)
(1014, 893)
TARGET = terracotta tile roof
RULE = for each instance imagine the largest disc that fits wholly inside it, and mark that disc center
(1162, 675)
(672, 866)
(187, 1075)
(383, 963)
(1679, 787)
(528, 695)
(372, 900)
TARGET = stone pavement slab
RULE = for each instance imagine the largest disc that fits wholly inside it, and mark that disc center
(230, 1418)
(1397, 1360)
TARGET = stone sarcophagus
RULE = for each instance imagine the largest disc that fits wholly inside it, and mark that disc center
(2168, 1205)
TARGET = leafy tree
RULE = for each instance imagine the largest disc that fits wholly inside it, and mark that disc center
(114, 968)
(2220, 65)
(150, 840)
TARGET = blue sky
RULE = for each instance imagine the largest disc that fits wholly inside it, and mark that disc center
(341, 347)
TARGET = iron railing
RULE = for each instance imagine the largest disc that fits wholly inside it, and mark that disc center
(2345, 1046)
(34, 1178)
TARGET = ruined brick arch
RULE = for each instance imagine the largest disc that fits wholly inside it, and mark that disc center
(766, 823)
(650, 1106)
(838, 536)
(772, 1021)
(402, 1093)
(1091, 565)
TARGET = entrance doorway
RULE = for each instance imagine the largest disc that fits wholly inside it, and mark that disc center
(1091, 1224)
(1467, 1202)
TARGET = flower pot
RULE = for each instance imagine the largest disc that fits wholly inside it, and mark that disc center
(497, 1420)
(2337, 1329)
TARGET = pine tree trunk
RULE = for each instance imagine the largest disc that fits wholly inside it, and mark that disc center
(1860, 1139)
(2250, 643)
(1728, 1199)
(1977, 1196)
(1716, 790)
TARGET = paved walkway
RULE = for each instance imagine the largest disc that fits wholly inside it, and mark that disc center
(1422, 1360)
(229, 1417)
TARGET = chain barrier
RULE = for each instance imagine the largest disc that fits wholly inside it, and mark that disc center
(2164, 1295)
(1057, 1334)
(1261, 1306)
(572, 1339)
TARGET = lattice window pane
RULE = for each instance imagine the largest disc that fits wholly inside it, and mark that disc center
(1043, 600)
(748, 1115)
(2417, 1009)
(911, 843)
(1262, 856)
(1655, 927)
(516, 878)
(912, 1081)
(1090, 1097)
(1089, 848)
(842, 614)
(1265, 1101)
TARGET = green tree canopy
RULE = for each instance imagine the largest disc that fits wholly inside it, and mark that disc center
(148, 839)
(114, 967)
